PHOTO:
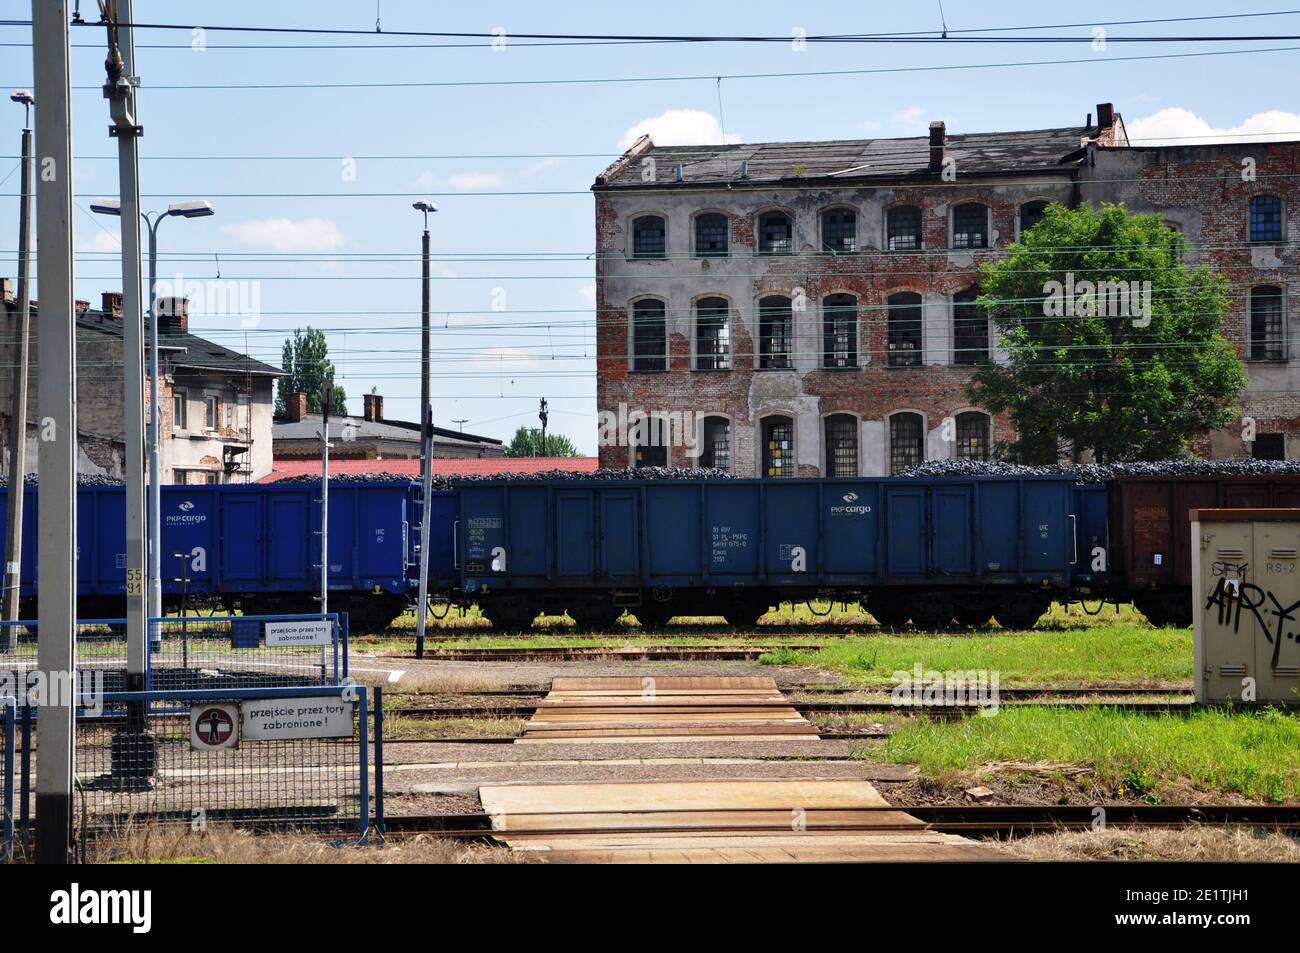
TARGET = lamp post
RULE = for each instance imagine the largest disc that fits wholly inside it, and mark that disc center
(426, 431)
(194, 209)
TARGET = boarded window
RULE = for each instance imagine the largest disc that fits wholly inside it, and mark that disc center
(715, 450)
(651, 448)
(775, 234)
(972, 436)
(712, 335)
(840, 231)
(775, 330)
(649, 336)
(904, 228)
(904, 441)
(711, 235)
(1031, 213)
(1265, 218)
(840, 330)
(841, 445)
(970, 226)
(1267, 337)
(649, 237)
(905, 329)
(1268, 446)
(778, 447)
(970, 329)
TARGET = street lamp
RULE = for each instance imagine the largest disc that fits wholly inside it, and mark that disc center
(426, 433)
(198, 208)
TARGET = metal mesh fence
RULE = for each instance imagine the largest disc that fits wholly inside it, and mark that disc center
(156, 758)
(197, 652)
(9, 712)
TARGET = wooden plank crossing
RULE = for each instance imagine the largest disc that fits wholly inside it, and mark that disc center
(676, 708)
(699, 821)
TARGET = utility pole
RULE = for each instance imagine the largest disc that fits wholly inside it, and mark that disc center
(57, 409)
(426, 432)
(327, 401)
(18, 419)
(543, 416)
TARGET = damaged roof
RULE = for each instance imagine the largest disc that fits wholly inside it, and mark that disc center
(988, 153)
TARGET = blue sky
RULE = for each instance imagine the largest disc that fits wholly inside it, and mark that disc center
(510, 331)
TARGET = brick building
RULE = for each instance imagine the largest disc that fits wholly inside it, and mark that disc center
(804, 308)
(216, 403)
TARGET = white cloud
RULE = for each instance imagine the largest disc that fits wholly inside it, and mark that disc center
(1177, 126)
(588, 293)
(287, 234)
(475, 180)
(503, 358)
(679, 127)
(425, 180)
(102, 241)
(908, 116)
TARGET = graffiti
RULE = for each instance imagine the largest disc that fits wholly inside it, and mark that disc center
(1233, 597)
(1230, 569)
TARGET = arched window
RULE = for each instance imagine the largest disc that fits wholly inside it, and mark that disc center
(778, 447)
(905, 435)
(903, 228)
(840, 330)
(1267, 328)
(649, 237)
(1265, 218)
(775, 234)
(715, 443)
(650, 443)
(840, 231)
(1031, 213)
(905, 329)
(970, 329)
(711, 231)
(649, 336)
(841, 445)
(970, 226)
(972, 436)
(775, 332)
(712, 335)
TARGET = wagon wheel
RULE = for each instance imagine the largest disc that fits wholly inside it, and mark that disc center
(654, 615)
(890, 611)
(589, 616)
(1020, 612)
(745, 615)
(933, 611)
(508, 616)
(973, 616)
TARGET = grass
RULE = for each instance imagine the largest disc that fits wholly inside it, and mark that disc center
(1203, 844)
(1252, 754)
(399, 727)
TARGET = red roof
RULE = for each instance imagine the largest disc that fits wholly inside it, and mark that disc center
(475, 466)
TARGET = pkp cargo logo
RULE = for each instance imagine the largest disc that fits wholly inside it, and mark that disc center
(186, 517)
(851, 506)
(186, 506)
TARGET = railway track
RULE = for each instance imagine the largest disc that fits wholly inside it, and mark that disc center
(1017, 691)
(648, 653)
(972, 821)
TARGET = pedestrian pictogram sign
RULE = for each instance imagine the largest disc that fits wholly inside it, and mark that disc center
(214, 726)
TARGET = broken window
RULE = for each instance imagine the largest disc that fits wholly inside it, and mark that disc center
(649, 237)
(1265, 218)
(1267, 339)
(840, 330)
(904, 228)
(778, 447)
(775, 234)
(840, 231)
(970, 226)
(1031, 213)
(905, 329)
(972, 436)
(651, 448)
(712, 335)
(970, 329)
(711, 235)
(649, 336)
(904, 441)
(775, 331)
(841, 445)
(1268, 446)
(715, 448)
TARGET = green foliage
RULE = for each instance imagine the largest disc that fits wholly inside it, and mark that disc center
(305, 358)
(527, 442)
(1134, 386)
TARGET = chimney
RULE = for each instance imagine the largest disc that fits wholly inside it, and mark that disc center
(8, 289)
(938, 139)
(111, 304)
(1105, 116)
(173, 315)
(81, 307)
(374, 405)
(295, 406)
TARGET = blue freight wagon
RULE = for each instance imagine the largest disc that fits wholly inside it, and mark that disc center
(250, 547)
(932, 550)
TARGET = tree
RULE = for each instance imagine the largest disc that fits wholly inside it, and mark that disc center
(1113, 344)
(305, 360)
(527, 442)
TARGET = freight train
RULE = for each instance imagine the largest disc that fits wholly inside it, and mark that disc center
(932, 550)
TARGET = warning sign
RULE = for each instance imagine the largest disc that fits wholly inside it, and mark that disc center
(326, 716)
(214, 726)
(307, 632)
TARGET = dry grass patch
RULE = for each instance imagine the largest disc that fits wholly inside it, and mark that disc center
(1205, 844)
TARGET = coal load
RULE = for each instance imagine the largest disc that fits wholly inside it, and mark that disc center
(83, 479)
(1100, 472)
(611, 474)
